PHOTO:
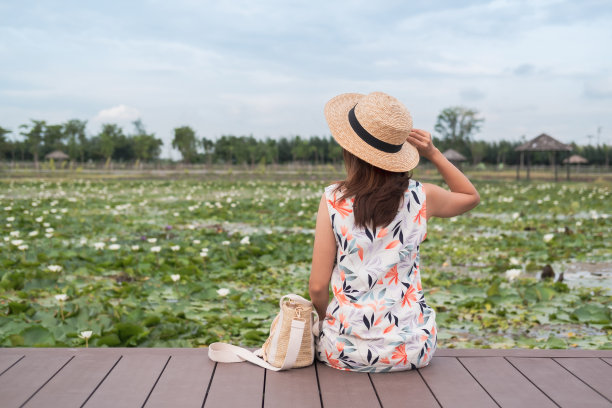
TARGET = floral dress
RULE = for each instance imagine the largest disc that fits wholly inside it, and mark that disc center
(378, 320)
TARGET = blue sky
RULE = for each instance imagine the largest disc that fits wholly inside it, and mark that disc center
(267, 68)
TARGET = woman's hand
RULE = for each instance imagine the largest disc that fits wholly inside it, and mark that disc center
(422, 141)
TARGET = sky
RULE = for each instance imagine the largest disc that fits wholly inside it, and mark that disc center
(267, 68)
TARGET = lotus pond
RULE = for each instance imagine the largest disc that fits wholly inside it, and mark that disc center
(184, 263)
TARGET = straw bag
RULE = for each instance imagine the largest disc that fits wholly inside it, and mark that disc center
(291, 343)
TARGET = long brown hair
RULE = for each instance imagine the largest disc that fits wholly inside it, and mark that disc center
(377, 192)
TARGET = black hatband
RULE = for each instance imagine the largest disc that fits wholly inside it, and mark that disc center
(368, 138)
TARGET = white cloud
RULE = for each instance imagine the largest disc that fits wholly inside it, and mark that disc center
(119, 113)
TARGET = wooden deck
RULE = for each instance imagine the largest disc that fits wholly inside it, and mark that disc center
(162, 377)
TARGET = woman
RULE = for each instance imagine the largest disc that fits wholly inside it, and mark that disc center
(368, 235)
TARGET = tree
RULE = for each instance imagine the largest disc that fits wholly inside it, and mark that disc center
(186, 143)
(458, 124)
(74, 129)
(478, 149)
(34, 137)
(209, 147)
(53, 139)
(108, 139)
(5, 146)
(146, 146)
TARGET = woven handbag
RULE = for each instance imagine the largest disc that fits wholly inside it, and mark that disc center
(291, 343)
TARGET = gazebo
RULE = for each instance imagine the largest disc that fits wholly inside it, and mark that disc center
(574, 159)
(454, 156)
(57, 155)
(542, 143)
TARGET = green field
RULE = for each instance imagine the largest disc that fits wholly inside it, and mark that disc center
(112, 245)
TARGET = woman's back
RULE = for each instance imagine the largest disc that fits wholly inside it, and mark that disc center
(378, 319)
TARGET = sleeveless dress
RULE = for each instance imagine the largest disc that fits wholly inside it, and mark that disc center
(378, 320)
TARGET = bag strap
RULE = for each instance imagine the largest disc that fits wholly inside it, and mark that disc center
(228, 353)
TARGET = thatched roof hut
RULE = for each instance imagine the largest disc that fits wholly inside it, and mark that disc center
(542, 143)
(57, 155)
(453, 155)
(575, 159)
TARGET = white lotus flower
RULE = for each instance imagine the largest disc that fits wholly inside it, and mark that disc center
(14, 233)
(10, 219)
(515, 215)
(85, 334)
(223, 292)
(17, 242)
(155, 249)
(135, 247)
(39, 219)
(54, 268)
(46, 224)
(48, 234)
(175, 248)
(245, 241)
(511, 274)
(196, 242)
(225, 243)
(99, 245)
(548, 237)
(33, 233)
(23, 247)
(152, 240)
(204, 252)
(175, 277)
(515, 261)
(113, 239)
(114, 247)
(61, 297)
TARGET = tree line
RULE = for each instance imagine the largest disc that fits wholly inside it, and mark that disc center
(455, 128)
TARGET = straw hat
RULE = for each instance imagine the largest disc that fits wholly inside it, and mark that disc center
(373, 127)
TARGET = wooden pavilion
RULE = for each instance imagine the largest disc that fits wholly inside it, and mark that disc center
(57, 155)
(574, 159)
(542, 143)
(454, 157)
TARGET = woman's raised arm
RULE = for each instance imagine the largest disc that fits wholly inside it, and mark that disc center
(440, 202)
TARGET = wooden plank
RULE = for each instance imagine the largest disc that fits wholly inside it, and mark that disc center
(184, 381)
(294, 388)
(7, 360)
(607, 360)
(23, 379)
(453, 385)
(236, 385)
(402, 389)
(504, 383)
(129, 383)
(560, 385)
(345, 388)
(592, 371)
(518, 352)
(75, 382)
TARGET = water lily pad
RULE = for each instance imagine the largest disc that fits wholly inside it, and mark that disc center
(592, 313)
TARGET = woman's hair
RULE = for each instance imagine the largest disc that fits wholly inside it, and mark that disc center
(377, 192)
